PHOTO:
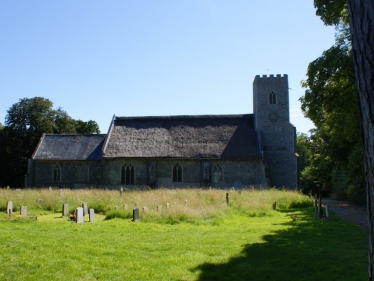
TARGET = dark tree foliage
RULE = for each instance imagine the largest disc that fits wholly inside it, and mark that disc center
(330, 101)
(25, 123)
(89, 127)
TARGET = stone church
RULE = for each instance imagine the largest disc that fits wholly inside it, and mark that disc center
(220, 151)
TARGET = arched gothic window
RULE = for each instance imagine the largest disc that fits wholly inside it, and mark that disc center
(127, 174)
(57, 173)
(217, 173)
(272, 98)
(177, 173)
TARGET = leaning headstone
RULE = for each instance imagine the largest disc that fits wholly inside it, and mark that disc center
(85, 208)
(327, 211)
(65, 209)
(23, 211)
(135, 214)
(79, 215)
(9, 208)
(125, 206)
(320, 210)
(91, 214)
(274, 205)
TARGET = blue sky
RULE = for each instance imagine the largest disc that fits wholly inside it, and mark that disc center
(96, 59)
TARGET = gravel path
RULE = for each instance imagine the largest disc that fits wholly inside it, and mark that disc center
(348, 211)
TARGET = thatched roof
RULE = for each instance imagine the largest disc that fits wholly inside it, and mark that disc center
(69, 147)
(206, 136)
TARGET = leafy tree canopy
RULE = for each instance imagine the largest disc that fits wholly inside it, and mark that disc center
(330, 101)
(25, 123)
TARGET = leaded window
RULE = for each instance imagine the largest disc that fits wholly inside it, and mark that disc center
(177, 173)
(57, 173)
(127, 174)
(217, 173)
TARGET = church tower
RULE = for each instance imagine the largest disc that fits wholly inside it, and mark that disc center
(277, 135)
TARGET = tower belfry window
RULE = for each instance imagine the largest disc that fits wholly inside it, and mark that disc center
(272, 98)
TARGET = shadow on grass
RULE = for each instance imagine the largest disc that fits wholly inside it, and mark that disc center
(309, 250)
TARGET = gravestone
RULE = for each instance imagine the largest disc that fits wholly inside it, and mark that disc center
(79, 215)
(85, 208)
(116, 207)
(227, 198)
(327, 211)
(50, 188)
(65, 209)
(167, 205)
(145, 209)
(125, 206)
(23, 211)
(159, 208)
(9, 208)
(135, 214)
(274, 205)
(92, 215)
(185, 202)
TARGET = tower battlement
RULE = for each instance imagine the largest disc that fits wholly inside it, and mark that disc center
(271, 76)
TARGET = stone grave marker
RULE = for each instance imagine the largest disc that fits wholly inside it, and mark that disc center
(125, 206)
(159, 208)
(135, 214)
(9, 208)
(85, 208)
(79, 215)
(23, 211)
(92, 215)
(145, 209)
(227, 198)
(65, 209)
(167, 205)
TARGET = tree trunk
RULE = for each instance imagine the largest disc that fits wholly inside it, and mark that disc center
(361, 18)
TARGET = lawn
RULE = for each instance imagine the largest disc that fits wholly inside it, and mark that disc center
(197, 239)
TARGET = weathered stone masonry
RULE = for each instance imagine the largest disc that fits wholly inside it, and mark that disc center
(221, 151)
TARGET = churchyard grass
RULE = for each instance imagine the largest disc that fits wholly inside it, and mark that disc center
(198, 239)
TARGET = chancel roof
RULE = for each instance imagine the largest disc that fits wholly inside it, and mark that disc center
(69, 147)
(204, 136)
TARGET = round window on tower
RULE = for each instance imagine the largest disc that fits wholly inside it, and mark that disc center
(273, 116)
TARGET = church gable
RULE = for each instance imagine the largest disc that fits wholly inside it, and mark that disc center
(217, 136)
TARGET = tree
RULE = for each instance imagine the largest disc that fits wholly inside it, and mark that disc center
(88, 127)
(330, 101)
(361, 20)
(25, 123)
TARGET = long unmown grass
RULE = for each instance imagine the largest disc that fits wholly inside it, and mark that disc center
(199, 237)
